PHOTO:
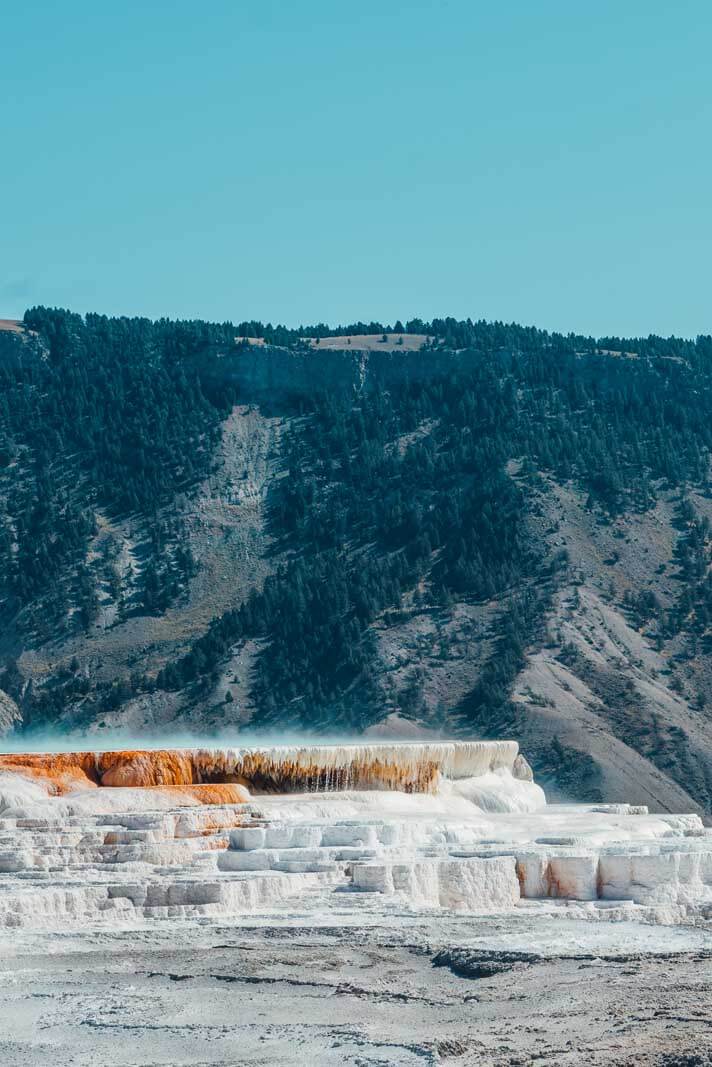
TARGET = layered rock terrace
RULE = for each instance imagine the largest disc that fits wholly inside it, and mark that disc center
(123, 836)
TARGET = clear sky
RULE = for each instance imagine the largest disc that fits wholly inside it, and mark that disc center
(536, 161)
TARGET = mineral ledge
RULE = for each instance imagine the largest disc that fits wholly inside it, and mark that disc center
(116, 837)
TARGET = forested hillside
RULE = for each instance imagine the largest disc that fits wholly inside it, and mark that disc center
(470, 529)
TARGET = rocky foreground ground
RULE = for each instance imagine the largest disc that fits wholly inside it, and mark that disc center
(408, 992)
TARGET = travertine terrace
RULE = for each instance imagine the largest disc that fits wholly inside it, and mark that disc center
(408, 768)
(342, 904)
(118, 836)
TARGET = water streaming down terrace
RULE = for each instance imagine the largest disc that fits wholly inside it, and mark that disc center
(405, 767)
(178, 833)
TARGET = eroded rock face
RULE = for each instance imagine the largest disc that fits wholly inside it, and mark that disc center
(522, 770)
(9, 712)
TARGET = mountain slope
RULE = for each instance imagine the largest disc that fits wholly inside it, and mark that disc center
(462, 528)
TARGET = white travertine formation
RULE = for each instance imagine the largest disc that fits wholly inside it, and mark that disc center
(407, 767)
(453, 826)
(343, 766)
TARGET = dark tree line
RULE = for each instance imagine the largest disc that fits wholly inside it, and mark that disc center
(390, 497)
(110, 414)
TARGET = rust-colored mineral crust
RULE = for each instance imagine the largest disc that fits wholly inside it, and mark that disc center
(226, 793)
(160, 767)
(60, 772)
(231, 772)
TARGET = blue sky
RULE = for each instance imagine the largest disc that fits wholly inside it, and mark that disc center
(541, 162)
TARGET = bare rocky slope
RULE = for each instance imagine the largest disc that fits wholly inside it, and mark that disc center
(587, 639)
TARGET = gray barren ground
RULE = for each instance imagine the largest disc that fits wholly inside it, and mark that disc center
(295, 995)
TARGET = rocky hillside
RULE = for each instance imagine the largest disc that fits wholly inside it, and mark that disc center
(446, 528)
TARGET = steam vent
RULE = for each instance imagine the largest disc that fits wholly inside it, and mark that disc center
(118, 837)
